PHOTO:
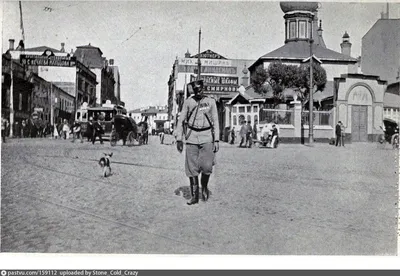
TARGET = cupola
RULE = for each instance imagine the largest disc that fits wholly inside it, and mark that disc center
(299, 18)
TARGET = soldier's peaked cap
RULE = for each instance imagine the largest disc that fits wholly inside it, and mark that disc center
(196, 82)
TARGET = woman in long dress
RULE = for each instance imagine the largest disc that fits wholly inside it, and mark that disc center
(55, 132)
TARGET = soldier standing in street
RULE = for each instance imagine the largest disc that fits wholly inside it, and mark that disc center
(199, 114)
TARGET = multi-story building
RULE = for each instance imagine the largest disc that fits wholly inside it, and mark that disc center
(380, 50)
(16, 87)
(222, 79)
(355, 99)
(61, 69)
(117, 79)
(157, 116)
(92, 57)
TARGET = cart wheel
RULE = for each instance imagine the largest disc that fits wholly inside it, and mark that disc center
(395, 141)
(114, 138)
(131, 138)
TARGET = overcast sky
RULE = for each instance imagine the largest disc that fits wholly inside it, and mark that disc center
(145, 37)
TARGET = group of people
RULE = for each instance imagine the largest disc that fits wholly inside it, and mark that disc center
(247, 133)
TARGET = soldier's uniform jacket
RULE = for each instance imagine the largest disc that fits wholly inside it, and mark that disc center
(198, 114)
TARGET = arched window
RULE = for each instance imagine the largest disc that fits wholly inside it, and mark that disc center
(256, 119)
(248, 118)
(234, 120)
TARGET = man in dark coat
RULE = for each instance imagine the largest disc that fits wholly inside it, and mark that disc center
(97, 132)
(338, 132)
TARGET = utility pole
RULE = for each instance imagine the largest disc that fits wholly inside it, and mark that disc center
(198, 58)
(22, 22)
(51, 105)
(311, 90)
(11, 99)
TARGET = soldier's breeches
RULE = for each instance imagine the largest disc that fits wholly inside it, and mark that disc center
(199, 159)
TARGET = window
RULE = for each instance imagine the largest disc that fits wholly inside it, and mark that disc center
(234, 120)
(255, 109)
(234, 109)
(256, 119)
(248, 109)
(248, 118)
(241, 109)
(302, 29)
(292, 29)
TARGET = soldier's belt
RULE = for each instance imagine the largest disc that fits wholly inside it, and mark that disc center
(199, 129)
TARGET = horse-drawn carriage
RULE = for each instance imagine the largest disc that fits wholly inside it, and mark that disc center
(124, 128)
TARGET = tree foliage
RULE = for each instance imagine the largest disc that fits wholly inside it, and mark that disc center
(280, 76)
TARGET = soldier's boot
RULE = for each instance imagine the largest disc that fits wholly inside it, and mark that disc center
(191, 179)
(205, 193)
(195, 197)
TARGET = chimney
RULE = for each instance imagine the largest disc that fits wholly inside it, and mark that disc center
(111, 62)
(187, 54)
(11, 41)
(245, 78)
(346, 45)
(62, 47)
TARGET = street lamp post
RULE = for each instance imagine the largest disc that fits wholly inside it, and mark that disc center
(311, 100)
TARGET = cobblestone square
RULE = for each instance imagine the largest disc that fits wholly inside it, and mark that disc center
(294, 200)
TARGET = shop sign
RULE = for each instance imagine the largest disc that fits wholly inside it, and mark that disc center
(38, 109)
(219, 80)
(48, 59)
(217, 88)
(209, 69)
(210, 54)
(205, 62)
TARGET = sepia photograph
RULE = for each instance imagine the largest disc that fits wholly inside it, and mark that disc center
(200, 128)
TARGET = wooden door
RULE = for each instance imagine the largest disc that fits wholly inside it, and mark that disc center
(359, 120)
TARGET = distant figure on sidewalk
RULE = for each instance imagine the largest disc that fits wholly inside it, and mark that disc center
(4, 126)
(243, 133)
(338, 132)
(23, 129)
(55, 131)
(77, 132)
(97, 132)
(65, 129)
(342, 133)
(233, 135)
(249, 134)
(89, 129)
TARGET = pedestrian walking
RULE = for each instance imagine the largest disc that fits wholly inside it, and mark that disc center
(338, 131)
(89, 129)
(55, 131)
(242, 133)
(17, 130)
(97, 132)
(23, 129)
(255, 132)
(249, 134)
(233, 135)
(342, 132)
(65, 129)
(4, 126)
(145, 131)
(77, 132)
(200, 116)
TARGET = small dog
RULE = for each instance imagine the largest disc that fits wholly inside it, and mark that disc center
(105, 163)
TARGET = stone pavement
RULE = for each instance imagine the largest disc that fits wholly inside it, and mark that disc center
(294, 200)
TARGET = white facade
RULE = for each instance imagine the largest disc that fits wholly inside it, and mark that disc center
(97, 71)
